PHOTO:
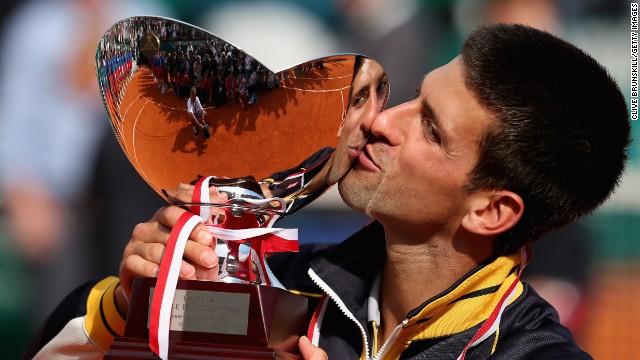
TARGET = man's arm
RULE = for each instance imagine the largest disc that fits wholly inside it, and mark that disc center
(85, 324)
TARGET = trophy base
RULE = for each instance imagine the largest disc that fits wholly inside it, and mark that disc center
(131, 348)
(214, 320)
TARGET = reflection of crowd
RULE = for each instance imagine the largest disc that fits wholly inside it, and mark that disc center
(115, 70)
(306, 67)
(115, 62)
(220, 72)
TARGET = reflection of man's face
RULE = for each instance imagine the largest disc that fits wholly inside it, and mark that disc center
(369, 93)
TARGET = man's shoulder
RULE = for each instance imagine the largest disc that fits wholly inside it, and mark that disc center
(530, 329)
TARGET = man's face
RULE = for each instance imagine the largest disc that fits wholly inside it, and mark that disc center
(369, 93)
(415, 164)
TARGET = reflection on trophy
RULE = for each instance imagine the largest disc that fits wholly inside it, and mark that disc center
(246, 208)
(145, 79)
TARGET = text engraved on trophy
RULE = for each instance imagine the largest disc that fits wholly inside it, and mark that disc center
(210, 312)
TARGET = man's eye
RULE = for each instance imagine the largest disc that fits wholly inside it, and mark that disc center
(383, 86)
(358, 101)
(434, 134)
(430, 130)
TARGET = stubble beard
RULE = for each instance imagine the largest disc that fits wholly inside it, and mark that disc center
(356, 193)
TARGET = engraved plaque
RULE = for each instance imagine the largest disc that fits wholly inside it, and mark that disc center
(211, 312)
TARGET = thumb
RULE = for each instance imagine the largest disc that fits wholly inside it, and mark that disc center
(310, 351)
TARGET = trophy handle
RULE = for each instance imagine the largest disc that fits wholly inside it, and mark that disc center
(237, 266)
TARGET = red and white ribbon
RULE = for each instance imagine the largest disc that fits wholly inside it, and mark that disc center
(201, 195)
(162, 301)
(493, 321)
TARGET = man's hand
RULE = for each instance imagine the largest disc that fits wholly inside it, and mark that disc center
(143, 254)
(310, 351)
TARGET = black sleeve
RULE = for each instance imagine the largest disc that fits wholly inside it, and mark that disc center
(537, 332)
(318, 157)
(73, 306)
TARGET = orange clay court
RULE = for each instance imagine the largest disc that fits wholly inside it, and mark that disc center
(285, 126)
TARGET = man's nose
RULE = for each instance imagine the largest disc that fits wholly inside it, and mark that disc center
(374, 107)
(384, 124)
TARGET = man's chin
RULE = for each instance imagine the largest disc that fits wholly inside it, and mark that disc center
(353, 192)
(335, 175)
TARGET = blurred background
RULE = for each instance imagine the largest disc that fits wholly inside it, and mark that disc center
(69, 197)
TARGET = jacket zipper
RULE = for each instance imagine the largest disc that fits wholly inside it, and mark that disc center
(316, 279)
(391, 338)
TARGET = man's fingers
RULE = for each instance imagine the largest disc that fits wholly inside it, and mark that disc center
(138, 266)
(185, 187)
(150, 252)
(202, 235)
(167, 217)
(199, 254)
(184, 193)
(151, 232)
(135, 265)
(310, 351)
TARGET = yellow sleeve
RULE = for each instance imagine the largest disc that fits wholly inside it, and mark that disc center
(103, 322)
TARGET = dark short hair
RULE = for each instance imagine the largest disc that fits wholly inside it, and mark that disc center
(357, 64)
(561, 129)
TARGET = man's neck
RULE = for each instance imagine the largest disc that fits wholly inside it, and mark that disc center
(416, 271)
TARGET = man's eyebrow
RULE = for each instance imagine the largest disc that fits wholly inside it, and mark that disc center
(359, 89)
(383, 76)
(365, 86)
(426, 106)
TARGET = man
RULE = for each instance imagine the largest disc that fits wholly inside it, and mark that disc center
(520, 134)
(196, 114)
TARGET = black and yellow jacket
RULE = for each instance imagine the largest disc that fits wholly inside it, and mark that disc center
(440, 327)
(341, 277)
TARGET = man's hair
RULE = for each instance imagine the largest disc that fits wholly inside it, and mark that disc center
(357, 64)
(561, 129)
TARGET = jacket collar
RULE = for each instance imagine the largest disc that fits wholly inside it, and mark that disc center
(349, 270)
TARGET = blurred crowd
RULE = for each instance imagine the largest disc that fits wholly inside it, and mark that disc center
(68, 196)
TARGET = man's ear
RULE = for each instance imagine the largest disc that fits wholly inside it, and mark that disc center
(493, 212)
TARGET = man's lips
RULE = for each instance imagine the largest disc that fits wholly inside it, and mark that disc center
(366, 161)
(353, 153)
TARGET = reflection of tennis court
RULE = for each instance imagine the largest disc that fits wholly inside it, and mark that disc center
(272, 135)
